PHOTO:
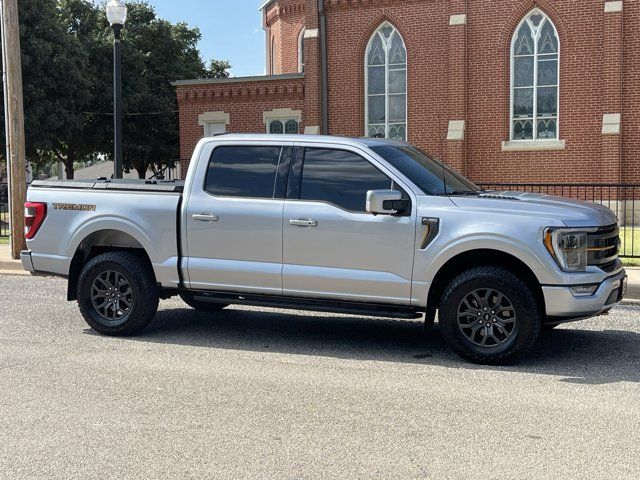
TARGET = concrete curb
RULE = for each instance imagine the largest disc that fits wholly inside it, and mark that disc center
(6, 262)
(12, 272)
(10, 265)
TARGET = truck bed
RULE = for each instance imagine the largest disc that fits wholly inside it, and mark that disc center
(117, 213)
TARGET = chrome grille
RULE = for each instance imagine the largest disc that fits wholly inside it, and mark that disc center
(603, 247)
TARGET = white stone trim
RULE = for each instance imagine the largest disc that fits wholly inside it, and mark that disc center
(281, 114)
(460, 19)
(456, 130)
(312, 130)
(311, 33)
(532, 145)
(611, 123)
(301, 50)
(214, 117)
(611, 7)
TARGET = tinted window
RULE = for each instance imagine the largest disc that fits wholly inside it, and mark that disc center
(243, 171)
(339, 177)
(431, 176)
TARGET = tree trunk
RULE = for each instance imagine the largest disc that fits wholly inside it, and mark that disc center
(68, 168)
(142, 171)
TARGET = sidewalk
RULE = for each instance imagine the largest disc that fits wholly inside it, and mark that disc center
(11, 266)
(633, 287)
(8, 264)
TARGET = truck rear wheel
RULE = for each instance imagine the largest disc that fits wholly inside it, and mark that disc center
(117, 294)
(187, 297)
(489, 315)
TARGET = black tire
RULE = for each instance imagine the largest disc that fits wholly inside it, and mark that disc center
(134, 280)
(513, 322)
(187, 297)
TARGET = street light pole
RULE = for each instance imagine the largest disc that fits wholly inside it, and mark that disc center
(117, 102)
(117, 15)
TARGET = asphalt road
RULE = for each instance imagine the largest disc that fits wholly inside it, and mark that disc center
(249, 393)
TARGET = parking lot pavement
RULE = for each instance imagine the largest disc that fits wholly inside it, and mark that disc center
(255, 393)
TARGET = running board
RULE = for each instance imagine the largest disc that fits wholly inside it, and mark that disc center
(311, 304)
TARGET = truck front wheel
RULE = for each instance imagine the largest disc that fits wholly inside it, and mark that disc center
(117, 294)
(489, 315)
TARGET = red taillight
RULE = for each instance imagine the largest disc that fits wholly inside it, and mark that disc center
(34, 213)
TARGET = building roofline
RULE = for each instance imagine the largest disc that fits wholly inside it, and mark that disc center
(264, 4)
(255, 78)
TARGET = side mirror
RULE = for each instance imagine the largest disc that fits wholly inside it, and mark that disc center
(385, 202)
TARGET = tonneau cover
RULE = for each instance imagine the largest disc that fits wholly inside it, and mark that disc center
(104, 184)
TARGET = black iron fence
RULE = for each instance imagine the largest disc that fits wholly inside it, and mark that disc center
(4, 210)
(623, 199)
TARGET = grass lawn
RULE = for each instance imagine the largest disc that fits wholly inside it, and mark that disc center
(630, 245)
(4, 217)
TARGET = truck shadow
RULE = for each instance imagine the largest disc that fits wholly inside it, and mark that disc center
(580, 356)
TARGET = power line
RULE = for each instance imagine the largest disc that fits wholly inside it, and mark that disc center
(132, 114)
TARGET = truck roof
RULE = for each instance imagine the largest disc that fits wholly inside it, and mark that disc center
(329, 139)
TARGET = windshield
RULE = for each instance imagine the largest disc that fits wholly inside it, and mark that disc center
(431, 176)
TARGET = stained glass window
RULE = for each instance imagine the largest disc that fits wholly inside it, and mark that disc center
(535, 77)
(276, 127)
(386, 84)
(289, 126)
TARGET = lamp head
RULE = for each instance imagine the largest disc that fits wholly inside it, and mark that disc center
(116, 12)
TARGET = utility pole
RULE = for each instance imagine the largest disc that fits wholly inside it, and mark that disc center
(14, 121)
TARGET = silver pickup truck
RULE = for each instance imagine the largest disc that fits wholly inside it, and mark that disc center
(360, 226)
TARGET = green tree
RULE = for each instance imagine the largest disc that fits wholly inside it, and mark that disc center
(55, 84)
(155, 53)
(218, 69)
(68, 82)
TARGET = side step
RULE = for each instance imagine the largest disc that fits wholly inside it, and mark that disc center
(311, 304)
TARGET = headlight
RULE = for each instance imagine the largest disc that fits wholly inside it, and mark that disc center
(568, 248)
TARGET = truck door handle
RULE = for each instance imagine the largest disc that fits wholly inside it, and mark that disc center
(303, 222)
(205, 217)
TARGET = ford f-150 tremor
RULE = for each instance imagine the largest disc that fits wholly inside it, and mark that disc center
(361, 226)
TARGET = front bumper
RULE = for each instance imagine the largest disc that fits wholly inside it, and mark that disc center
(27, 262)
(562, 303)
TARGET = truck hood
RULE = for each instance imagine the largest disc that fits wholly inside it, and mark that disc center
(573, 213)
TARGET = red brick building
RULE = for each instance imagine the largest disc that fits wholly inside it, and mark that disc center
(502, 90)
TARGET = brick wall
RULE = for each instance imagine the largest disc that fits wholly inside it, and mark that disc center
(284, 20)
(462, 72)
(424, 28)
(244, 101)
(631, 93)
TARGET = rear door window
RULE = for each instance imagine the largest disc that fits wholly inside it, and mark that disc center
(243, 171)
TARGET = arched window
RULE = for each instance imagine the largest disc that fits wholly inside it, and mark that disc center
(301, 51)
(386, 84)
(535, 51)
